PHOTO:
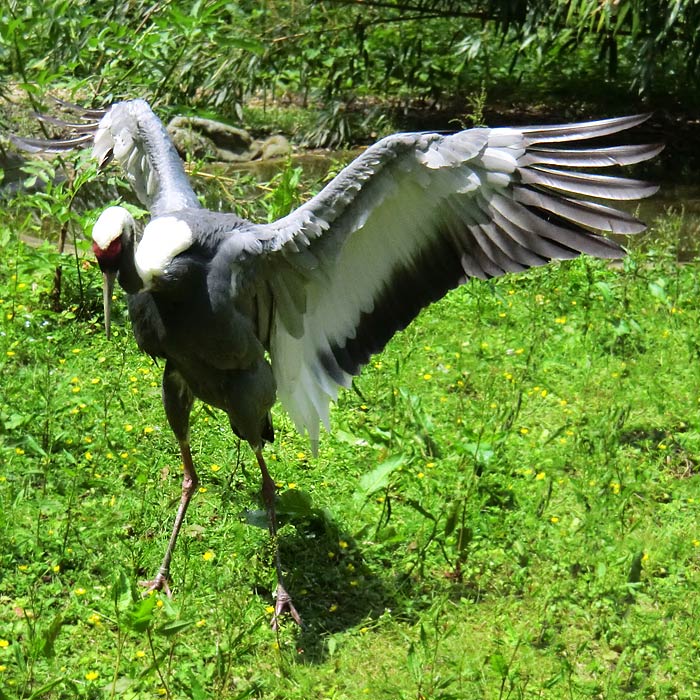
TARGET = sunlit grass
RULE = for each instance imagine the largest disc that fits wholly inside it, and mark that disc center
(507, 504)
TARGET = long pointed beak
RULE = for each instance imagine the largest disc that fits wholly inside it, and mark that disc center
(107, 290)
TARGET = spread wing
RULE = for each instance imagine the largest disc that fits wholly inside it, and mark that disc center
(413, 217)
(130, 133)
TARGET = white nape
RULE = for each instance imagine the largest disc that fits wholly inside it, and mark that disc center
(163, 239)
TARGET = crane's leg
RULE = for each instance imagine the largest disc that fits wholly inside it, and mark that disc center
(283, 599)
(190, 480)
(177, 401)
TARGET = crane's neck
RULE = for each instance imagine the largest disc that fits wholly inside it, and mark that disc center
(128, 276)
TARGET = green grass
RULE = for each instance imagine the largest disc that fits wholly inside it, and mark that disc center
(507, 506)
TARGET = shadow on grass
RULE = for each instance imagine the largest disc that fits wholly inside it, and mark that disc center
(330, 582)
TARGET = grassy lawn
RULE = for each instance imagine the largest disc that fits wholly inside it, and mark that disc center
(507, 506)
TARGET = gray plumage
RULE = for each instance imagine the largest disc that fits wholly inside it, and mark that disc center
(325, 287)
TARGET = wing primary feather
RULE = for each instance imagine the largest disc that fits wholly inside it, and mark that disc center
(582, 212)
(580, 131)
(589, 157)
(598, 186)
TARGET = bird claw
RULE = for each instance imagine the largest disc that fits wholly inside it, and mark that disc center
(284, 604)
(159, 583)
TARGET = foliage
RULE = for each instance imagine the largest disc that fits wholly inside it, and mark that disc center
(506, 506)
(340, 57)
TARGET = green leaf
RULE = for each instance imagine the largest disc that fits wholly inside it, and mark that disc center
(121, 592)
(499, 664)
(378, 478)
(170, 629)
(49, 636)
(140, 616)
(294, 503)
(44, 688)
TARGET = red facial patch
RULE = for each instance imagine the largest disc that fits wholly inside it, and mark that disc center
(108, 258)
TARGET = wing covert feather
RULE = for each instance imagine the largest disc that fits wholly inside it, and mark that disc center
(415, 216)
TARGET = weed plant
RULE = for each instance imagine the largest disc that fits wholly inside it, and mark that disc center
(507, 505)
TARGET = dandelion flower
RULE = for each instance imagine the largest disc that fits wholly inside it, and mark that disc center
(554, 519)
(540, 476)
(208, 555)
(201, 623)
(80, 591)
(91, 676)
(427, 376)
(215, 467)
(4, 643)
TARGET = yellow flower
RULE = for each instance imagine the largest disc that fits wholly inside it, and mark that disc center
(560, 319)
(208, 555)
(215, 467)
(524, 431)
(540, 476)
(291, 485)
(56, 568)
(427, 376)
(91, 675)
(554, 519)
(4, 643)
(148, 429)
(201, 623)
(140, 654)
(333, 608)
(80, 591)
(420, 475)
(269, 609)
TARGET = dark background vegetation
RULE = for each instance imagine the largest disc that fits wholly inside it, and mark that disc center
(343, 71)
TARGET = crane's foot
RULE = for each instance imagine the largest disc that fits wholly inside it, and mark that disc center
(283, 605)
(159, 583)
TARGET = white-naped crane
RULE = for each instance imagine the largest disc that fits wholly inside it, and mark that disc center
(242, 312)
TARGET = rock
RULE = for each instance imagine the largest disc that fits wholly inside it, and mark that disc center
(209, 139)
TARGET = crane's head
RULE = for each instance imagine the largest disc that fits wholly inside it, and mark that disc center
(112, 240)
